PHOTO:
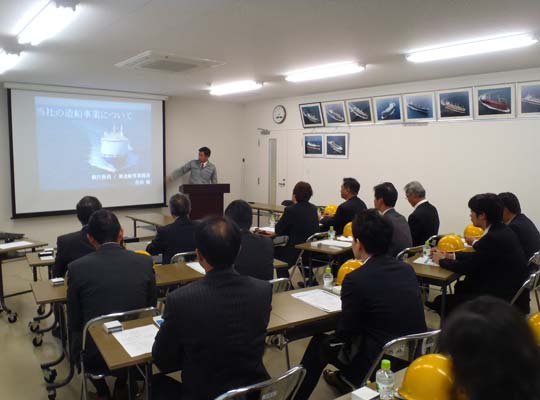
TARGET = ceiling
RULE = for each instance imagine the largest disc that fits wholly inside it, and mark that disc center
(261, 40)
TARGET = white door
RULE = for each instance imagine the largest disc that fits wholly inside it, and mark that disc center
(276, 151)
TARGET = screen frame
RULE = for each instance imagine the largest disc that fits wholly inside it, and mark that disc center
(16, 215)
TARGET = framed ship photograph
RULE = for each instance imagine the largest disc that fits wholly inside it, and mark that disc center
(311, 115)
(528, 99)
(334, 113)
(388, 109)
(454, 104)
(494, 102)
(419, 107)
(359, 111)
(314, 146)
(337, 145)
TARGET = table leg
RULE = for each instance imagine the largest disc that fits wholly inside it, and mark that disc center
(12, 316)
(443, 302)
(148, 377)
(134, 228)
(258, 217)
(34, 273)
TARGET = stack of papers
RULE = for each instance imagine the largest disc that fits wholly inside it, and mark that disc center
(426, 261)
(46, 258)
(334, 243)
(345, 239)
(268, 229)
(13, 245)
(320, 299)
(137, 341)
(197, 267)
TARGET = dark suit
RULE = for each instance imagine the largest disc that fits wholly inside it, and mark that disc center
(256, 257)
(298, 221)
(109, 280)
(344, 214)
(423, 223)
(173, 238)
(214, 330)
(527, 234)
(497, 267)
(70, 247)
(380, 301)
(401, 238)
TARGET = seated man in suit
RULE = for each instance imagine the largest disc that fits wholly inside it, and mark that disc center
(178, 236)
(214, 328)
(385, 199)
(256, 255)
(497, 266)
(298, 222)
(346, 211)
(424, 220)
(380, 301)
(523, 227)
(109, 280)
(74, 245)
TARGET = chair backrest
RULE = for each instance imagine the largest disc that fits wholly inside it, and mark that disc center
(183, 257)
(532, 284)
(408, 252)
(534, 261)
(280, 241)
(280, 285)
(317, 236)
(407, 348)
(281, 388)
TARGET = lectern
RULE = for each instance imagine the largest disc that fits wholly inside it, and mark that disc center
(206, 199)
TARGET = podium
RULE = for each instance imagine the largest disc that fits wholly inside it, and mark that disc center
(205, 199)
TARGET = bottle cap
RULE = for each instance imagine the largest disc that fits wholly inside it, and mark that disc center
(385, 364)
(332, 228)
(328, 269)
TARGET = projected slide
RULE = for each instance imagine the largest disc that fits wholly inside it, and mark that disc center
(69, 145)
(102, 143)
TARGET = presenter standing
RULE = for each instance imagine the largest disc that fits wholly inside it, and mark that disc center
(202, 170)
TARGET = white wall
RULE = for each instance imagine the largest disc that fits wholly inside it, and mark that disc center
(189, 125)
(454, 160)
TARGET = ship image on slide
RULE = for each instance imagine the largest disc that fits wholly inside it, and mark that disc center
(335, 116)
(313, 146)
(388, 111)
(358, 112)
(112, 151)
(310, 117)
(453, 107)
(336, 147)
(499, 105)
(530, 99)
(418, 108)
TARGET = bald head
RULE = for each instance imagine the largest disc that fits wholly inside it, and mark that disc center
(218, 240)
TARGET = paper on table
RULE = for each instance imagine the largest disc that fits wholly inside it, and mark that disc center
(267, 229)
(320, 299)
(345, 239)
(197, 267)
(21, 243)
(137, 341)
(47, 258)
(426, 261)
(335, 243)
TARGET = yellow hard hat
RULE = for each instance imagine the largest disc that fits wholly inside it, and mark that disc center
(534, 324)
(330, 209)
(473, 231)
(144, 253)
(347, 229)
(428, 377)
(346, 268)
(450, 243)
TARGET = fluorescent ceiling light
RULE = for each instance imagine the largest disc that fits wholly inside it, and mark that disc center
(235, 87)
(324, 71)
(48, 21)
(473, 47)
(7, 60)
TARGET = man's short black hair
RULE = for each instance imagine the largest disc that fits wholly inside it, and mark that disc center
(85, 207)
(240, 212)
(206, 151)
(179, 205)
(103, 226)
(352, 185)
(488, 204)
(375, 233)
(511, 202)
(302, 192)
(218, 240)
(387, 191)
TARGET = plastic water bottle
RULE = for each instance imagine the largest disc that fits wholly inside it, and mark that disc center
(328, 278)
(331, 233)
(385, 381)
(272, 220)
(426, 250)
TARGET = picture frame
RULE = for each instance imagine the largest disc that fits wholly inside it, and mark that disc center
(314, 145)
(494, 102)
(359, 111)
(388, 109)
(336, 145)
(419, 107)
(528, 99)
(454, 104)
(334, 113)
(311, 115)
